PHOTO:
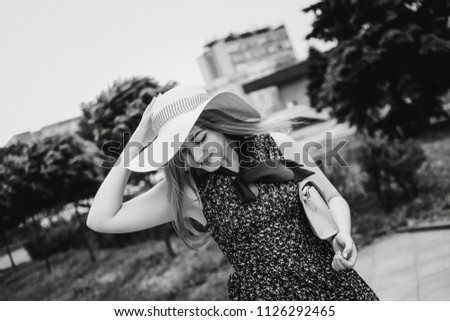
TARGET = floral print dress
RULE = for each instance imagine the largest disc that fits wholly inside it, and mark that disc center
(269, 242)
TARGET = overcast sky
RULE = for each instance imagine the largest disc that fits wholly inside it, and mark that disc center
(54, 55)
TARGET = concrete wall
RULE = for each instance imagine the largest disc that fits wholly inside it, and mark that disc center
(266, 100)
(295, 92)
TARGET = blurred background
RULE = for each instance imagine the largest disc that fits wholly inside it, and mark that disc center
(76, 77)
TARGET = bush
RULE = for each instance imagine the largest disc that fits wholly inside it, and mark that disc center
(53, 240)
(391, 167)
(65, 236)
(348, 180)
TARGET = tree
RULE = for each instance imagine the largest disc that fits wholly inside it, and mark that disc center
(10, 214)
(390, 66)
(110, 120)
(82, 177)
(68, 169)
(14, 188)
(68, 174)
(42, 194)
(317, 66)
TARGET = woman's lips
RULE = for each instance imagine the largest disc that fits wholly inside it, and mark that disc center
(206, 161)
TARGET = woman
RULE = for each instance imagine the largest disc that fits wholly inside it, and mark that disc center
(226, 169)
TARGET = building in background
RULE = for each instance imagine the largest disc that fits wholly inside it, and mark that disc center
(281, 89)
(69, 126)
(261, 66)
(287, 88)
(227, 63)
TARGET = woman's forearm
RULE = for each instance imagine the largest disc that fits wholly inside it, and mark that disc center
(341, 214)
(109, 197)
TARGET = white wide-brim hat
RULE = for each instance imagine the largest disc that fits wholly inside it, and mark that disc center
(173, 116)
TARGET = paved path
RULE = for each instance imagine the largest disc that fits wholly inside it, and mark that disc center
(19, 256)
(408, 266)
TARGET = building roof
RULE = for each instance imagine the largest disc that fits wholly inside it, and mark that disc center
(28, 136)
(23, 137)
(236, 36)
(278, 77)
(61, 123)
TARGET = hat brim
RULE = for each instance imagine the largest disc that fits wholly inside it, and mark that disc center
(174, 133)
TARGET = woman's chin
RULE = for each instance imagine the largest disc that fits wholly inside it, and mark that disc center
(213, 166)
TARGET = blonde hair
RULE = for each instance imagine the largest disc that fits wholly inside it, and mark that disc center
(177, 177)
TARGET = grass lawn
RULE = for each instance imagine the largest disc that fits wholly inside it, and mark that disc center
(137, 272)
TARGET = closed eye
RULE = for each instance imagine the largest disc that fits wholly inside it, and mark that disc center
(203, 139)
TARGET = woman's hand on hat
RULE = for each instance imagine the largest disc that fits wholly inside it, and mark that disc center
(149, 107)
(146, 120)
(144, 132)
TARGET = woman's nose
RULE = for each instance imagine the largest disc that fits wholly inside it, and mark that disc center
(198, 154)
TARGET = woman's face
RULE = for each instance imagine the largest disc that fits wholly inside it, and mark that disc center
(205, 149)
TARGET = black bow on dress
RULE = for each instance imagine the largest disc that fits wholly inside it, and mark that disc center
(268, 171)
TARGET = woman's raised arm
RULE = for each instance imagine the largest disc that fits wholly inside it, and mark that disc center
(152, 208)
(109, 215)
